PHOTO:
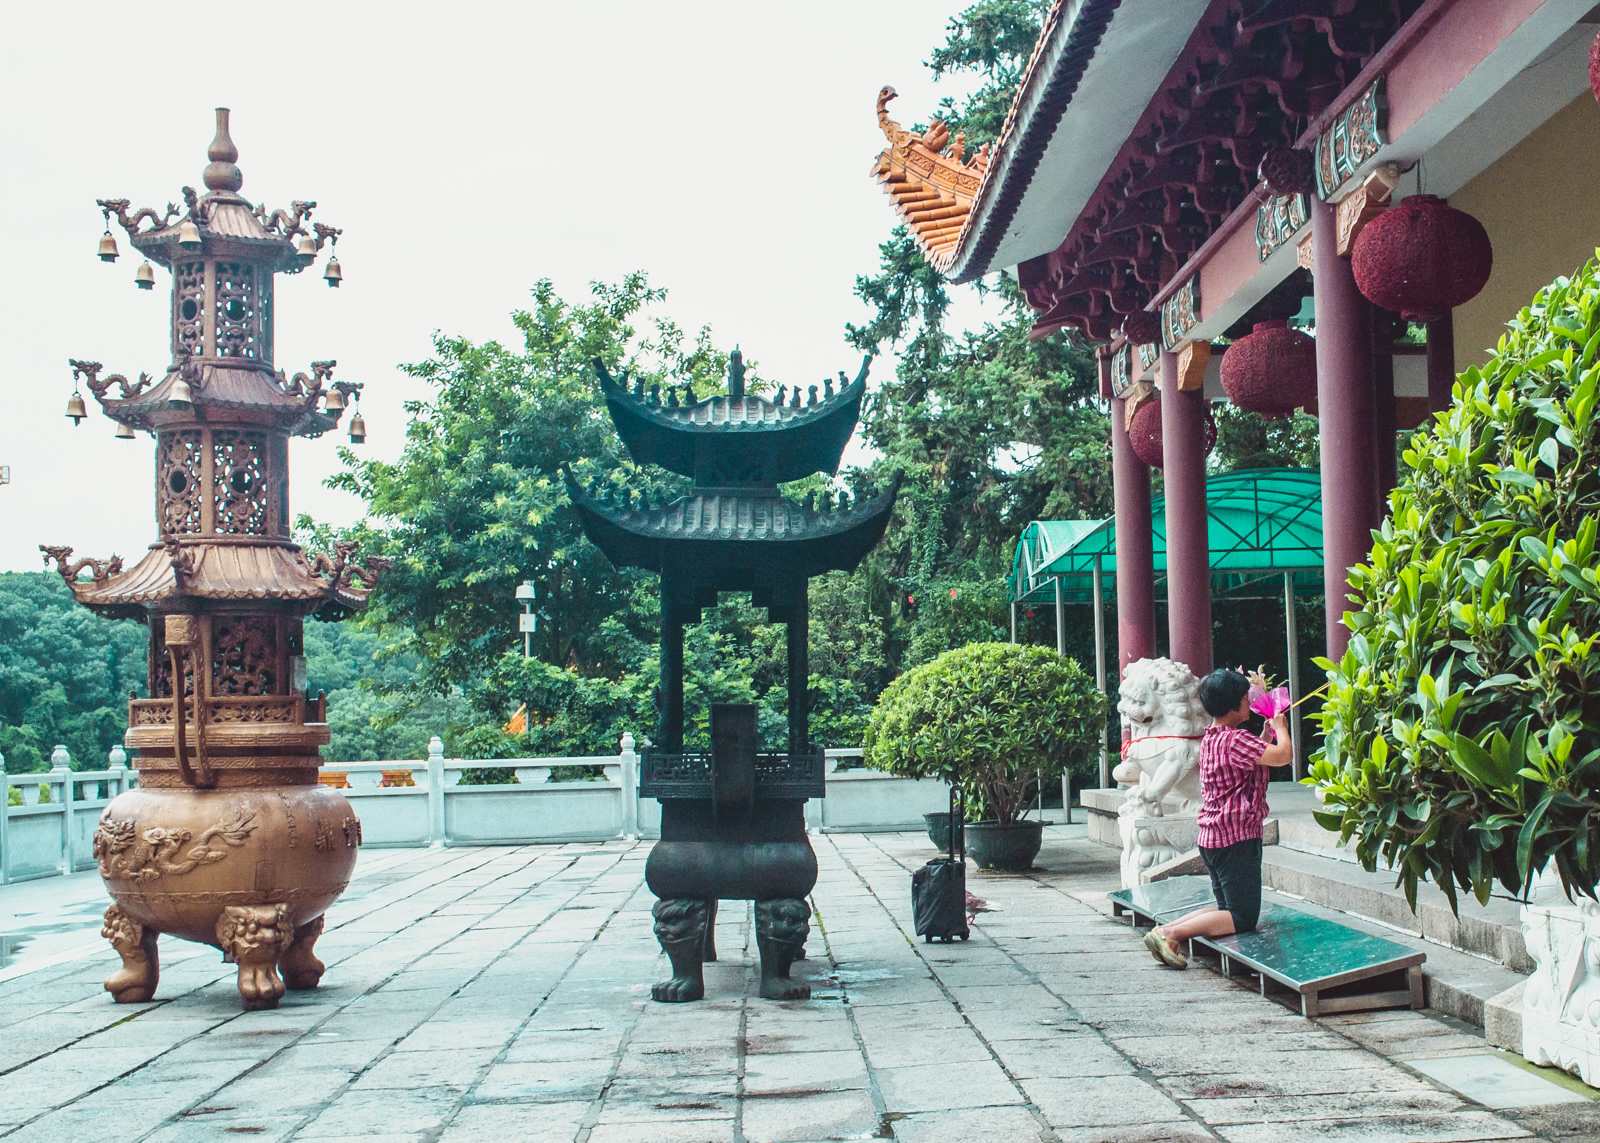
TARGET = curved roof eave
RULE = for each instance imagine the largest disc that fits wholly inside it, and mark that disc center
(1097, 65)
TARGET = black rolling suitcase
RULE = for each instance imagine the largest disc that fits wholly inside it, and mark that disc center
(939, 888)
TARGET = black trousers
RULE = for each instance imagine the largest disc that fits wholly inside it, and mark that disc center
(1236, 880)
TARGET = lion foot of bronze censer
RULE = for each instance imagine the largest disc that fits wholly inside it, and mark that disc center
(229, 839)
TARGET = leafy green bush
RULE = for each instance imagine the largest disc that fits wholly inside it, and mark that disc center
(1461, 724)
(998, 716)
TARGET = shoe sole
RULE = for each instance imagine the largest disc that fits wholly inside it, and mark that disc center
(1163, 952)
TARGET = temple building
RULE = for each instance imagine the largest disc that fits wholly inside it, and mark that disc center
(1194, 186)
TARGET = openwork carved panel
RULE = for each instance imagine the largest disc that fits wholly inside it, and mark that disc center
(160, 676)
(276, 710)
(239, 312)
(188, 308)
(178, 491)
(1121, 362)
(1351, 139)
(244, 655)
(1180, 313)
(239, 478)
(1279, 219)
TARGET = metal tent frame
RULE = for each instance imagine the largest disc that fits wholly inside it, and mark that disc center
(1264, 525)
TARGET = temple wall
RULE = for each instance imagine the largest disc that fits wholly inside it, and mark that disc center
(1540, 203)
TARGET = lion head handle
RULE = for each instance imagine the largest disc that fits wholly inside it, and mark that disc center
(1160, 706)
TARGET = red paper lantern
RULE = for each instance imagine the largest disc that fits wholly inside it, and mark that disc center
(1422, 259)
(1142, 327)
(1144, 434)
(1272, 371)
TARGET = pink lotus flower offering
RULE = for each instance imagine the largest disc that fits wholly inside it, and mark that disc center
(1265, 699)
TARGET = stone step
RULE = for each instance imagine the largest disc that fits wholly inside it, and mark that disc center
(1456, 983)
(1492, 931)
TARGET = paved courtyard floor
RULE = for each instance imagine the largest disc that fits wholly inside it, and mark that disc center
(502, 995)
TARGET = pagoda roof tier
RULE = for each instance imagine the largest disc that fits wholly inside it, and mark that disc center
(223, 570)
(217, 385)
(736, 528)
(739, 438)
(226, 221)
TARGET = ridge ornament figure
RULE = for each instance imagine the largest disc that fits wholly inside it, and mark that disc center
(733, 818)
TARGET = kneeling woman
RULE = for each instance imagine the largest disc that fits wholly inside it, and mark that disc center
(1233, 783)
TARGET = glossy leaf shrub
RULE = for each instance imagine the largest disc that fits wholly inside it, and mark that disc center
(997, 715)
(1463, 723)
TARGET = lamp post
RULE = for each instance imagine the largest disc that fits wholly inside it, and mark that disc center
(527, 622)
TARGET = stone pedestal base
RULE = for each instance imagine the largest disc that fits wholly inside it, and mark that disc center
(1150, 841)
(1561, 1000)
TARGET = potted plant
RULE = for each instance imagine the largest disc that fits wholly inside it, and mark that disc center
(996, 717)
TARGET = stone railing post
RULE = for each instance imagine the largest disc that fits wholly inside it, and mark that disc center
(436, 791)
(630, 787)
(118, 760)
(5, 812)
(61, 771)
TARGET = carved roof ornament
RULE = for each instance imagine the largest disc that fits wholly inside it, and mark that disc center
(929, 178)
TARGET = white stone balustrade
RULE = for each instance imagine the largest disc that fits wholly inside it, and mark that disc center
(442, 808)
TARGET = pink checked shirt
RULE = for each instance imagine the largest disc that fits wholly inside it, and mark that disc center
(1233, 786)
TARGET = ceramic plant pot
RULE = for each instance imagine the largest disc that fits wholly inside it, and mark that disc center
(1009, 848)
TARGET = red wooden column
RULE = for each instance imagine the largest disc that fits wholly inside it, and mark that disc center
(1347, 412)
(1136, 595)
(1441, 363)
(1183, 474)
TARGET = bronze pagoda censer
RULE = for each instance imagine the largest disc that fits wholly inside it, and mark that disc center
(229, 839)
(733, 817)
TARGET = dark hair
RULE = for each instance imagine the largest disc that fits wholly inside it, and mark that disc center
(1221, 692)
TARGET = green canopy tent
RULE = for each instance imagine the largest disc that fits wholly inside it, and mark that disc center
(1265, 528)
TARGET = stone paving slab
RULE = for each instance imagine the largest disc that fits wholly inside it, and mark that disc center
(502, 994)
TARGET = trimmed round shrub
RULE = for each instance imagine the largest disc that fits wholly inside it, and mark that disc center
(997, 716)
(1463, 723)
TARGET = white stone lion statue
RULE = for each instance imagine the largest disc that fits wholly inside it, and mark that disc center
(1160, 706)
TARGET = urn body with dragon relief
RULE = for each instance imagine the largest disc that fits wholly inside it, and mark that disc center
(229, 839)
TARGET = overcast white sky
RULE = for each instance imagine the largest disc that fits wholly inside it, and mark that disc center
(468, 149)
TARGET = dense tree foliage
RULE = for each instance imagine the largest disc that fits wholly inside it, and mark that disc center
(1463, 732)
(65, 674)
(65, 677)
